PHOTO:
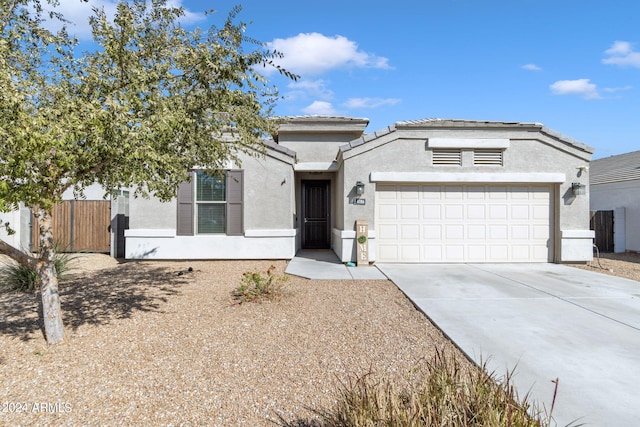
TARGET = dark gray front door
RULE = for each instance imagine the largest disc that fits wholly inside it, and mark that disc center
(315, 215)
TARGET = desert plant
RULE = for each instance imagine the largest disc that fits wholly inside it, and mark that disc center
(255, 287)
(441, 391)
(17, 277)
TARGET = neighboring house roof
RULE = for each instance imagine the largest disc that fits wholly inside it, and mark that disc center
(623, 167)
(470, 124)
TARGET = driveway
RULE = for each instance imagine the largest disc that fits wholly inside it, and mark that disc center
(545, 321)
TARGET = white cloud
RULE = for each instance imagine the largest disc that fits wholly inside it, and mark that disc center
(582, 87)
(622, 53)
(531, 67)
(370, 103)
(315, 53)
(320, 108)
(616, 89)
(313, 88)
(78, 13)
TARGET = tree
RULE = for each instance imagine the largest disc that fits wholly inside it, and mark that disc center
(151, 102)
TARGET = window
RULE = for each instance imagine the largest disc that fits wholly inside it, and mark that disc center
(446, 156)
(211, 204)
(491, 156)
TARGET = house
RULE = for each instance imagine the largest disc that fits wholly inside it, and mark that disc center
(428, 190)
(615, 188)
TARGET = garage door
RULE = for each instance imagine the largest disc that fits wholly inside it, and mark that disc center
(464, 223)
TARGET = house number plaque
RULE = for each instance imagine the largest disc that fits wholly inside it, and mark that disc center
(362, 243)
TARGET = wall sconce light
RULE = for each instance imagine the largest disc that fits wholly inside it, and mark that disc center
(578, 189)
(359, 188)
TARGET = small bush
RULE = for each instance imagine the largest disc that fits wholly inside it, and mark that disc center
(18, 278)
(441, 392)
(255, 287)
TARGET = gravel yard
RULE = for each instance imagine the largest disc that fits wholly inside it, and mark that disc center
(625, 265)
(150, 343)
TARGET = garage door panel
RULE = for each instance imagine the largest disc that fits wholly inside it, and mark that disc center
(476, 212)
(519, 232)
(498, 232)
(476, 253)
(388, 231)
(520, 212)
(454, 253)
(477, 231)
(520, 253)
(431, 211)
(432, 253)
(432, 232)
(410, 232)
(454, 231)
(409, 211)
(464, 223)
(453, 212)
(388, 252)
(388, 212)
(498, 212)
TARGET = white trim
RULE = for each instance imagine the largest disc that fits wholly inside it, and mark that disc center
(211, 246)
(577, 234)
(316, 167)
(351, 234)
(270, 233)
(149, 232)
(468, 143)
(505, 177)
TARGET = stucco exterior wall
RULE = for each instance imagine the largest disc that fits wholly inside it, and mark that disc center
(13, 219)
(268, 218)
(315, 148)
(527, 153)
(624, 199)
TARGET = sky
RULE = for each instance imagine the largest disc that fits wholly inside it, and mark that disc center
(572, 65)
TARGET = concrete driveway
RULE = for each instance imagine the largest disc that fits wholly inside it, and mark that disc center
(545, 321)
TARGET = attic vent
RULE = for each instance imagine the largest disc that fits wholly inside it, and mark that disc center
(443, 156)
(483, 157)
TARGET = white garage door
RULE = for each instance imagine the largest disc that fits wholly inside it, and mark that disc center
(464, 223)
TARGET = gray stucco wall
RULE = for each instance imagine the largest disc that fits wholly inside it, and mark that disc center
(268, 197)
(315, 148)
(528, 153)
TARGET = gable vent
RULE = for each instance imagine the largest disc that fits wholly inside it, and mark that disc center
(447, 157)
(487, 157)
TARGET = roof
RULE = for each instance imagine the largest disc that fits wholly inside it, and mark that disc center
(323, 124)
(623, 167)
(470, 124)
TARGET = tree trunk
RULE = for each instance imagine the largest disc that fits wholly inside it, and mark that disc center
(51, 313)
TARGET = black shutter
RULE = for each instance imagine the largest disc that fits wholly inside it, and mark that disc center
(185, 208)
(234, 203)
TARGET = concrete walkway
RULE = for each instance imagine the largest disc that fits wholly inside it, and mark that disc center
(545, 322)
(323, 264)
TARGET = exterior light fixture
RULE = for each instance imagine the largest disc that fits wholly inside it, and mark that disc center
(359, 188)
(578, 189)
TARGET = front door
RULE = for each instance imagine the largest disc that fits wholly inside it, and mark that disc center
(315, 215)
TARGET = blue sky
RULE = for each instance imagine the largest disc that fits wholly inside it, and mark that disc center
(573, 65)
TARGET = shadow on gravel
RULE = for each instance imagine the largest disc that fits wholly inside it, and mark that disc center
(95, 298)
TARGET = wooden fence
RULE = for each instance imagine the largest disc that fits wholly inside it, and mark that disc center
(78, 226)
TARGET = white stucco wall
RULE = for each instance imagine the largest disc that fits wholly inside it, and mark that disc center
(13, 219)
(624, 199)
